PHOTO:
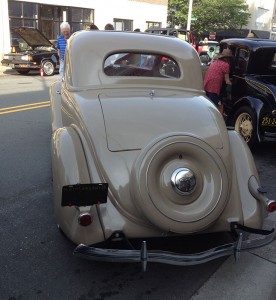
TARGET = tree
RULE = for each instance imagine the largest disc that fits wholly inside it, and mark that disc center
(209, 15)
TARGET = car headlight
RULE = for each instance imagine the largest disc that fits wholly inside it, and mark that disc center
(26, 57)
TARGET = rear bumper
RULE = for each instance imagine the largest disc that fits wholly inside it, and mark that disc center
(144, 255)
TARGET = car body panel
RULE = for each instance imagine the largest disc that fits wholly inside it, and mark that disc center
(136, 131)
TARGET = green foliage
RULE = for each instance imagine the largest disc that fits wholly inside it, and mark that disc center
(210, 15)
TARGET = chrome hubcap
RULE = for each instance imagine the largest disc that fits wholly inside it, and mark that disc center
(183, 181)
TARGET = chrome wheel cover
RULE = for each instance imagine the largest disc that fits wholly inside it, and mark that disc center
(48, 68)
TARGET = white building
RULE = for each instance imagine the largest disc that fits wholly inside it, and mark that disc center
(46, 15)
(261, 17)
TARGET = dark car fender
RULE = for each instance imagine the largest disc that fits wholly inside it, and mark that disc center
(254, 103)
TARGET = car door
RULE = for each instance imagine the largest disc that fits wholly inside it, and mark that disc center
(238, 73)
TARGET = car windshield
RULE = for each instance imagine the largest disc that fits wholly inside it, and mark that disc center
(19, 45)
(141, 64)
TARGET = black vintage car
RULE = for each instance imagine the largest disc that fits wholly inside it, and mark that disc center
(31, 51)
(250, 105)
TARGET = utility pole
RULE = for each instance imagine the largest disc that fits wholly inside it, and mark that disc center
(189, 15)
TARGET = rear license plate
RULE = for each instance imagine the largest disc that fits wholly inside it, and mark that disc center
(23, 65)
(267, 121)
(84, 194)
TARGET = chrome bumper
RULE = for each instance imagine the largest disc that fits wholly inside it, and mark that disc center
(144, 255)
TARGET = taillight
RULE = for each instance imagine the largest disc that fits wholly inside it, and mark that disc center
(271, 205)
(85, 219)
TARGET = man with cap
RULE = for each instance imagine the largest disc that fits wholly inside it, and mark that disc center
(217, 73)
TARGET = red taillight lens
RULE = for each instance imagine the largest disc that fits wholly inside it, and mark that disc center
(85, 219)
(271, 206)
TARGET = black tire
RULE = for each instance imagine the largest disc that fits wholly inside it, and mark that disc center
(245, 123)
(23, 72)
(48, 68)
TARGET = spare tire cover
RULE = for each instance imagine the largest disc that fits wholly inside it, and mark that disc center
(161, 202)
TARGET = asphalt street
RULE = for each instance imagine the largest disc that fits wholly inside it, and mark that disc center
(251, 277)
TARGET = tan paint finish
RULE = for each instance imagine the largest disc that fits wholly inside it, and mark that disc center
(110, 129)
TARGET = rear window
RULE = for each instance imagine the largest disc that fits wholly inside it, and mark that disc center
(141, 65)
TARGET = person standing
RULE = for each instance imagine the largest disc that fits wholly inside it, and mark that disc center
(217, 73)
(61, 45)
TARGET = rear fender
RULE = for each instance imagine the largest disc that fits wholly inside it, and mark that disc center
(69, 166)
(254, 103)
(245, 168)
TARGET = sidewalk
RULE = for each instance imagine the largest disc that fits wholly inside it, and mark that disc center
(252, 277)
(6, 70)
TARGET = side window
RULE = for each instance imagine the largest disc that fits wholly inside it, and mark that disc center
(242, 59)
(273, 63)
(141, 64)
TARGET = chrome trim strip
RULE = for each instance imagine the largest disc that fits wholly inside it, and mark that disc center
(259, 86)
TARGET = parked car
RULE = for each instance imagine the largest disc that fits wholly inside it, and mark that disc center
(207, 47)
(178, 32)
(143, 164)
(251, 105)
(38, 53)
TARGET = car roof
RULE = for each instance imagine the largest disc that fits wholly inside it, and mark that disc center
(252, 43)
(96, 45)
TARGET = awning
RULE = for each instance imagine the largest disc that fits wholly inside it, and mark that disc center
(261, 34)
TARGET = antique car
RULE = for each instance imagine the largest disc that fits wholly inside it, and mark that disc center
(207, 47)
(250, 105)
(144, 167)
(178, 32)
(36, 53)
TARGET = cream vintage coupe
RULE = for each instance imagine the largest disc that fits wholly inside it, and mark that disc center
(144, 167)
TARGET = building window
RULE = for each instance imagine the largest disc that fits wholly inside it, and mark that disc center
(81, 18)
(23, 14)
(50, 19)
(153, 24)
(47, 18)
(123, 25)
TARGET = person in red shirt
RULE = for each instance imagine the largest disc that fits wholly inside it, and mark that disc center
(217, 73)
